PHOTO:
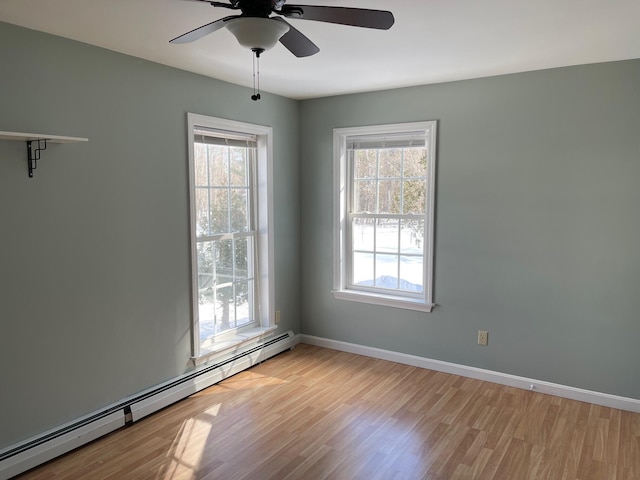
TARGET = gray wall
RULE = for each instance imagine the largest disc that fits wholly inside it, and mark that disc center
(537, 226)
(94, 250)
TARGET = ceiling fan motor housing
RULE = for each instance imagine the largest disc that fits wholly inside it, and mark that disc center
(259, 8)
(257, 33)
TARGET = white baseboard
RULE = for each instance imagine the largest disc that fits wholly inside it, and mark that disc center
(598, 398)
(62, 444)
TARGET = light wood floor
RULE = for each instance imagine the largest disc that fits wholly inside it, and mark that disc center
(314, 413)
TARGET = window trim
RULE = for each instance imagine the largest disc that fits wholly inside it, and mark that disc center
(341, 178)
(263, 203)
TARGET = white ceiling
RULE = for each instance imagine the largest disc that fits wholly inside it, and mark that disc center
(432, 40)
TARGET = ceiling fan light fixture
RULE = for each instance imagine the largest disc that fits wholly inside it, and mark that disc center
(257, 33)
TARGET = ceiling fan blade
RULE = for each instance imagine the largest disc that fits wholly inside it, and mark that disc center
(357, 17)
(200, 32)
(296, 42)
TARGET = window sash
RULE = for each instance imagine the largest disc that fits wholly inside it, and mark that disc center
(210, 191)
(209, 324)
(378, 143)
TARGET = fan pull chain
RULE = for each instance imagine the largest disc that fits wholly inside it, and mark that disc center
(256, 73)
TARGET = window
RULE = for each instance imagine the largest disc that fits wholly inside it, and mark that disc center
(229, 171)
(384, 214)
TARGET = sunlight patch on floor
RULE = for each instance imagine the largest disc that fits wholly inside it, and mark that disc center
(186, 451)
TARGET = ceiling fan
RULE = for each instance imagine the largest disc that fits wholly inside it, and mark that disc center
(257, 30)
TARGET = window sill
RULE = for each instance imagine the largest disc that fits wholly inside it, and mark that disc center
(383, 300)
(233, 344)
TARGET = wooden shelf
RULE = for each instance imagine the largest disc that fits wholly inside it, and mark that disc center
(32, 137)
(33, 151)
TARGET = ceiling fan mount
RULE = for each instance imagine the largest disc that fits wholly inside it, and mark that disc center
(250, 8)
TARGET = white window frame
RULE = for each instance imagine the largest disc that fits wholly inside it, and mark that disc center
(342, 248)
(237, 338)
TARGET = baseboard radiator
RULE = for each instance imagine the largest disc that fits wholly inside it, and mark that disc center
(37, 450)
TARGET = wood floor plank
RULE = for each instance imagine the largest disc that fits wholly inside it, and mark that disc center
(318, 414)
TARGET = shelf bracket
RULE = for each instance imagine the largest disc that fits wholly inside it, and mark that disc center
(33, 154)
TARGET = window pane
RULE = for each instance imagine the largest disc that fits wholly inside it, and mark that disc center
(362, 268)
(224, 261)
(389, 196)
(200, 159)
(412, 237)
(205, 270)
(207, 321)
(411, 274)
(364, 196)
(363, 232)
(225, 311)
(218, 165)
(386, 271)
(390, 163)
(387, 235)
(365, 163)
(244, 291)
(242, 253)
(202, 211)
(206, 289)
(239, 210)
(414, 196)
(219, 211)
(239, 167)
(415, 162)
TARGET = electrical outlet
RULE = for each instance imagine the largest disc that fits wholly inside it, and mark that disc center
(277, 316)
(483, 337)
